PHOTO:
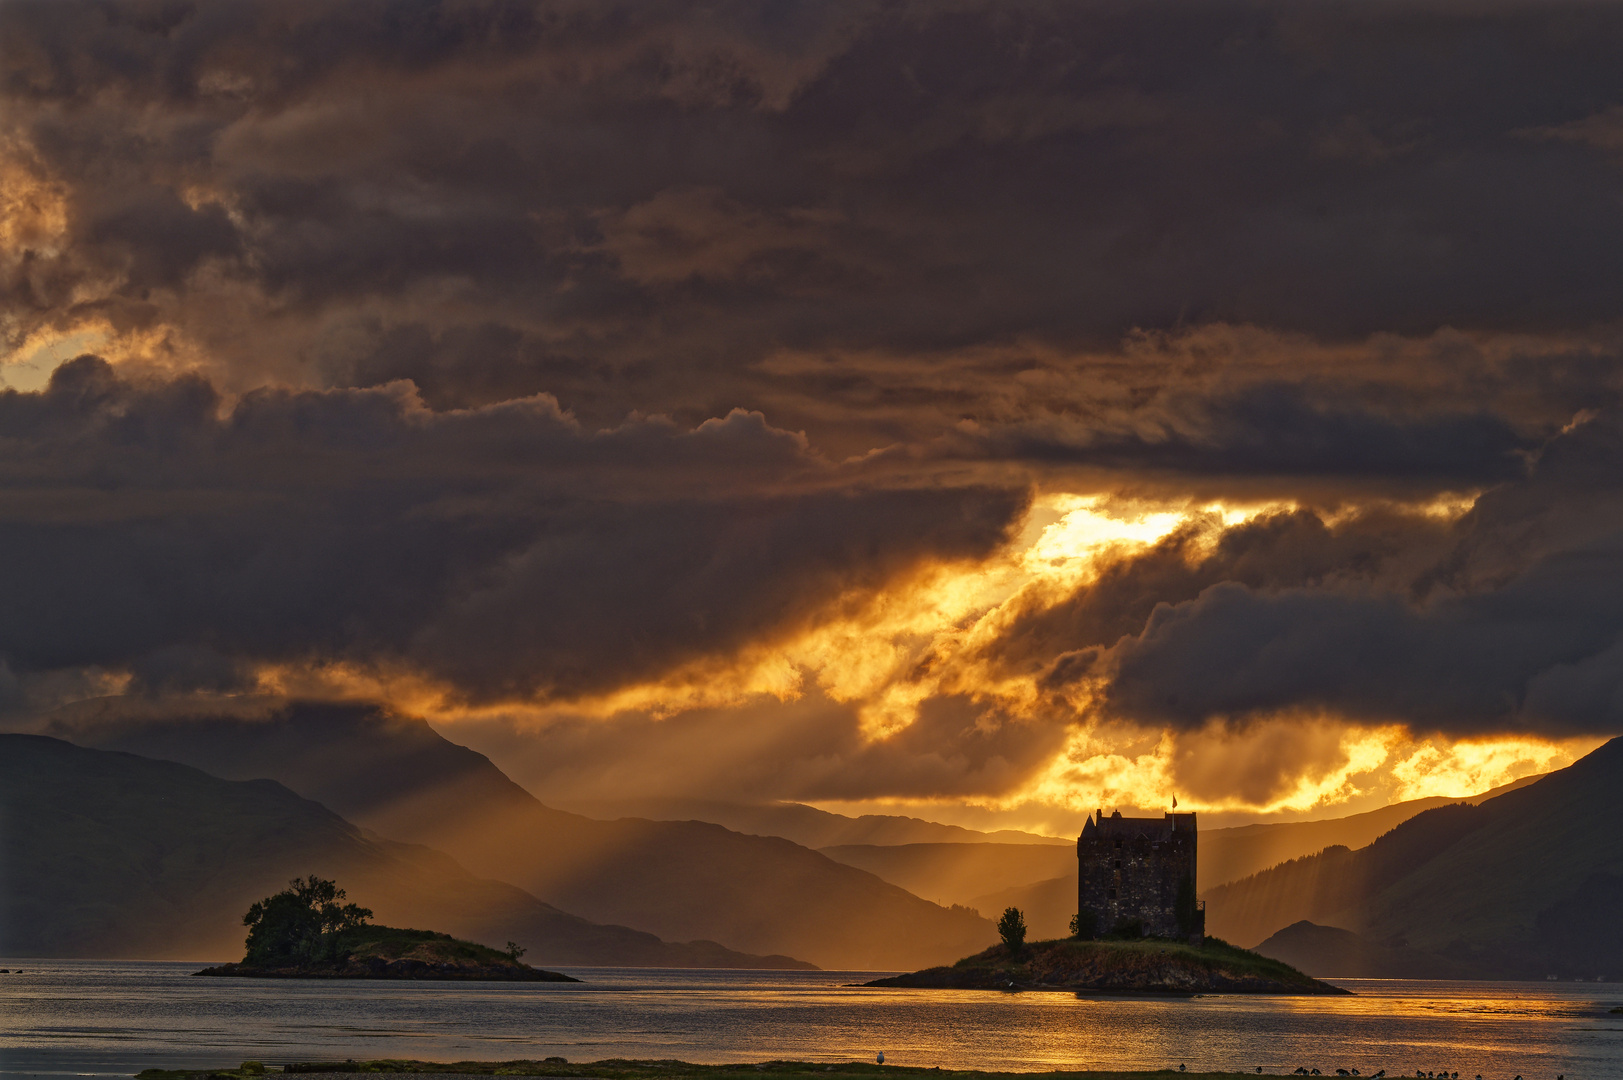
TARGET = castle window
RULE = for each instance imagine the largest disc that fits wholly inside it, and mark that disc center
(1112, 894)
(1118, 864)
(1118, 843)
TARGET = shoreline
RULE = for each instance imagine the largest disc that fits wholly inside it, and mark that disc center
(636, 1069)
(1138, 967)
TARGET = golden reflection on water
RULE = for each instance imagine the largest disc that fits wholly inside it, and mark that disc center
(112, 1017)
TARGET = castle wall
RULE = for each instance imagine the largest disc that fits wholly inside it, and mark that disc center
(1132, 868)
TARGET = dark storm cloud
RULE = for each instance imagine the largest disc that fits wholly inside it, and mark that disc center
(639, 208)
(1286, 550)
(147, 527)
(1271, 430)
(1319, 252)
(1514, 625)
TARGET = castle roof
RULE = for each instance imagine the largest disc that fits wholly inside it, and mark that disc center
(1116, 827)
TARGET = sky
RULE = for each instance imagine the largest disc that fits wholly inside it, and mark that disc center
(990, 410)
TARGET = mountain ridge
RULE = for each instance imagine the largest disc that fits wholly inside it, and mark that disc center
(134, 857)
(678, 880)
(1523, 885)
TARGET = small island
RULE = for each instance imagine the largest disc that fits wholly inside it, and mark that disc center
(1123, 963)
(304, 932)
(1135, 876)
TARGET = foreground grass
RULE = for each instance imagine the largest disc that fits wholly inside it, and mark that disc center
(618, 1069)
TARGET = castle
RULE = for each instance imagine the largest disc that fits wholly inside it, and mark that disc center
(1138, 875)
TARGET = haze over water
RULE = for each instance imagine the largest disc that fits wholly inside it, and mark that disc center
(116, 1017)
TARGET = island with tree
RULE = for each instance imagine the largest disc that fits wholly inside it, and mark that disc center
(1124, 961)
(308, 931)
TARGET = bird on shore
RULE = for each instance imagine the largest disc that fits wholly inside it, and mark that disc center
(881, 1057)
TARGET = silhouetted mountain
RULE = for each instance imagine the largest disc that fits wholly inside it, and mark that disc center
(676, 879)
(1527, 883)
(108, 854)
(1328, 952)
(1234, 853)
(806, 825)
(1039, 876)
(1041, 881)
(1225, 854)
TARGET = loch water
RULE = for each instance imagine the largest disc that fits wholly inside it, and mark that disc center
(66, 1018)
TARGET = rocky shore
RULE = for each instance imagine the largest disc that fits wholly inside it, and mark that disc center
(1143, 966)
(375, 967)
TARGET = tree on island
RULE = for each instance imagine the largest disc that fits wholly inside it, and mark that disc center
(302, 924)
(1085, 925)
(1012, 928)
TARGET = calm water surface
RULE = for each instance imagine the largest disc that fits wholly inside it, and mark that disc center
(63, 1018)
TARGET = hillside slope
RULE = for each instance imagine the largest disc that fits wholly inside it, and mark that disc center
(1233, 853)
(110, 855)
(1528, 883)
(807, 825)
(957, 873)
(1329, 952)
(680, 880)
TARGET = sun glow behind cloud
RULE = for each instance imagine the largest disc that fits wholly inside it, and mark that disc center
(887, 651)
(928, 636)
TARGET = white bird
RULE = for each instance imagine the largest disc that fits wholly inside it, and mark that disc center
(881, 1057)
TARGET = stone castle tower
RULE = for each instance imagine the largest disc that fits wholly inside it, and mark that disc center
(1139, 871)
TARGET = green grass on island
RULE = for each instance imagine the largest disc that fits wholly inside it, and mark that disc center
(617, 1069)
(1138, 965)
(393, 943)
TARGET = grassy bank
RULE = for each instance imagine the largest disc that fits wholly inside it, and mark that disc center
(646, 1070)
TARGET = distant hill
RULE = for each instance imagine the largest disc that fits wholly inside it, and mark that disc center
(1047, 905)
(1526, 884)
(680, 880)
(958, 873)
(807, 825)
(111, 855)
